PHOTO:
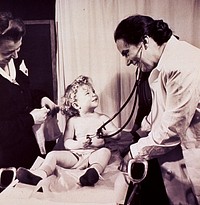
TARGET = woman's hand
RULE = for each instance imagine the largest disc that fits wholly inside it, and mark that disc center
(39, 115)
(147, 148)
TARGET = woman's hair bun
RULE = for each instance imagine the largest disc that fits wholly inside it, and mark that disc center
(161, 26)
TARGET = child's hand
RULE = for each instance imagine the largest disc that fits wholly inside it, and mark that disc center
(87, 142)
(53, 108)
(97, 142)
(45, 101)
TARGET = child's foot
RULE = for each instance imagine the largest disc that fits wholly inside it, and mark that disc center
(26, 177)
(90, 177)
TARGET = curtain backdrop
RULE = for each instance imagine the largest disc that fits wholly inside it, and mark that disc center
(85, 44)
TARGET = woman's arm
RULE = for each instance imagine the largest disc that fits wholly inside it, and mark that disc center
(181, 101)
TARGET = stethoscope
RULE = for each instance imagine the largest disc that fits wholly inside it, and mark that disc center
(99, 132)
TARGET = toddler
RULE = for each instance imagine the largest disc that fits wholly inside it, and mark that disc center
(84, 150)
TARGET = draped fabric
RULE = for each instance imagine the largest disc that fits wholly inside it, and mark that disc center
(85, 44)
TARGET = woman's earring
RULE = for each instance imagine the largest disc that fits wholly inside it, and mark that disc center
(146, 42)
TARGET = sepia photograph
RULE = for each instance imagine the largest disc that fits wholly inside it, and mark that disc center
(99, 102)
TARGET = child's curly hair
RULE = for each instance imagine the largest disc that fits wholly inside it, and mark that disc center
(70, 95)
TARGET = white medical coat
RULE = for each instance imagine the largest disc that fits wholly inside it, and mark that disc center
(175, 116)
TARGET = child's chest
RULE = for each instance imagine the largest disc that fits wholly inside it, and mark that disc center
(87, 126)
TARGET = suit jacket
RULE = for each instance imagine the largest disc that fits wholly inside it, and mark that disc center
(18, 146)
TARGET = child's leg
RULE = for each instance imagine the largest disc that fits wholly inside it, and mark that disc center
(62, 158)
(98, 160)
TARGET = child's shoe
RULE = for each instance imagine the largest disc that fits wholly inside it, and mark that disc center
(26, 177)
(90, 177)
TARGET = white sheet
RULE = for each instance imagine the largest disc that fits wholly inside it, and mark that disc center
(55, 191)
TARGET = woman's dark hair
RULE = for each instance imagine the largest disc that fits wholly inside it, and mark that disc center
(11, 28)
(134, 29)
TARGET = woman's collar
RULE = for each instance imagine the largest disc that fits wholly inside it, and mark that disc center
(12, 72)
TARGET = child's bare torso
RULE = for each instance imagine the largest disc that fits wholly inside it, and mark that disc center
(88, 125)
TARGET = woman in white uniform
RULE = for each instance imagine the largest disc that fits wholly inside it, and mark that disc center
(171, 132)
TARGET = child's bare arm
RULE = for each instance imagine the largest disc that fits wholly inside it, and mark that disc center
(69, 141)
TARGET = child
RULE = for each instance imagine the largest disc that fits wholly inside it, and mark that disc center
(83, 148)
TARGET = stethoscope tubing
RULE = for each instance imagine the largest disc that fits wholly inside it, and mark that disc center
(134, 90)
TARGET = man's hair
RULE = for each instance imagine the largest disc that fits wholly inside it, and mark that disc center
(11, 28)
